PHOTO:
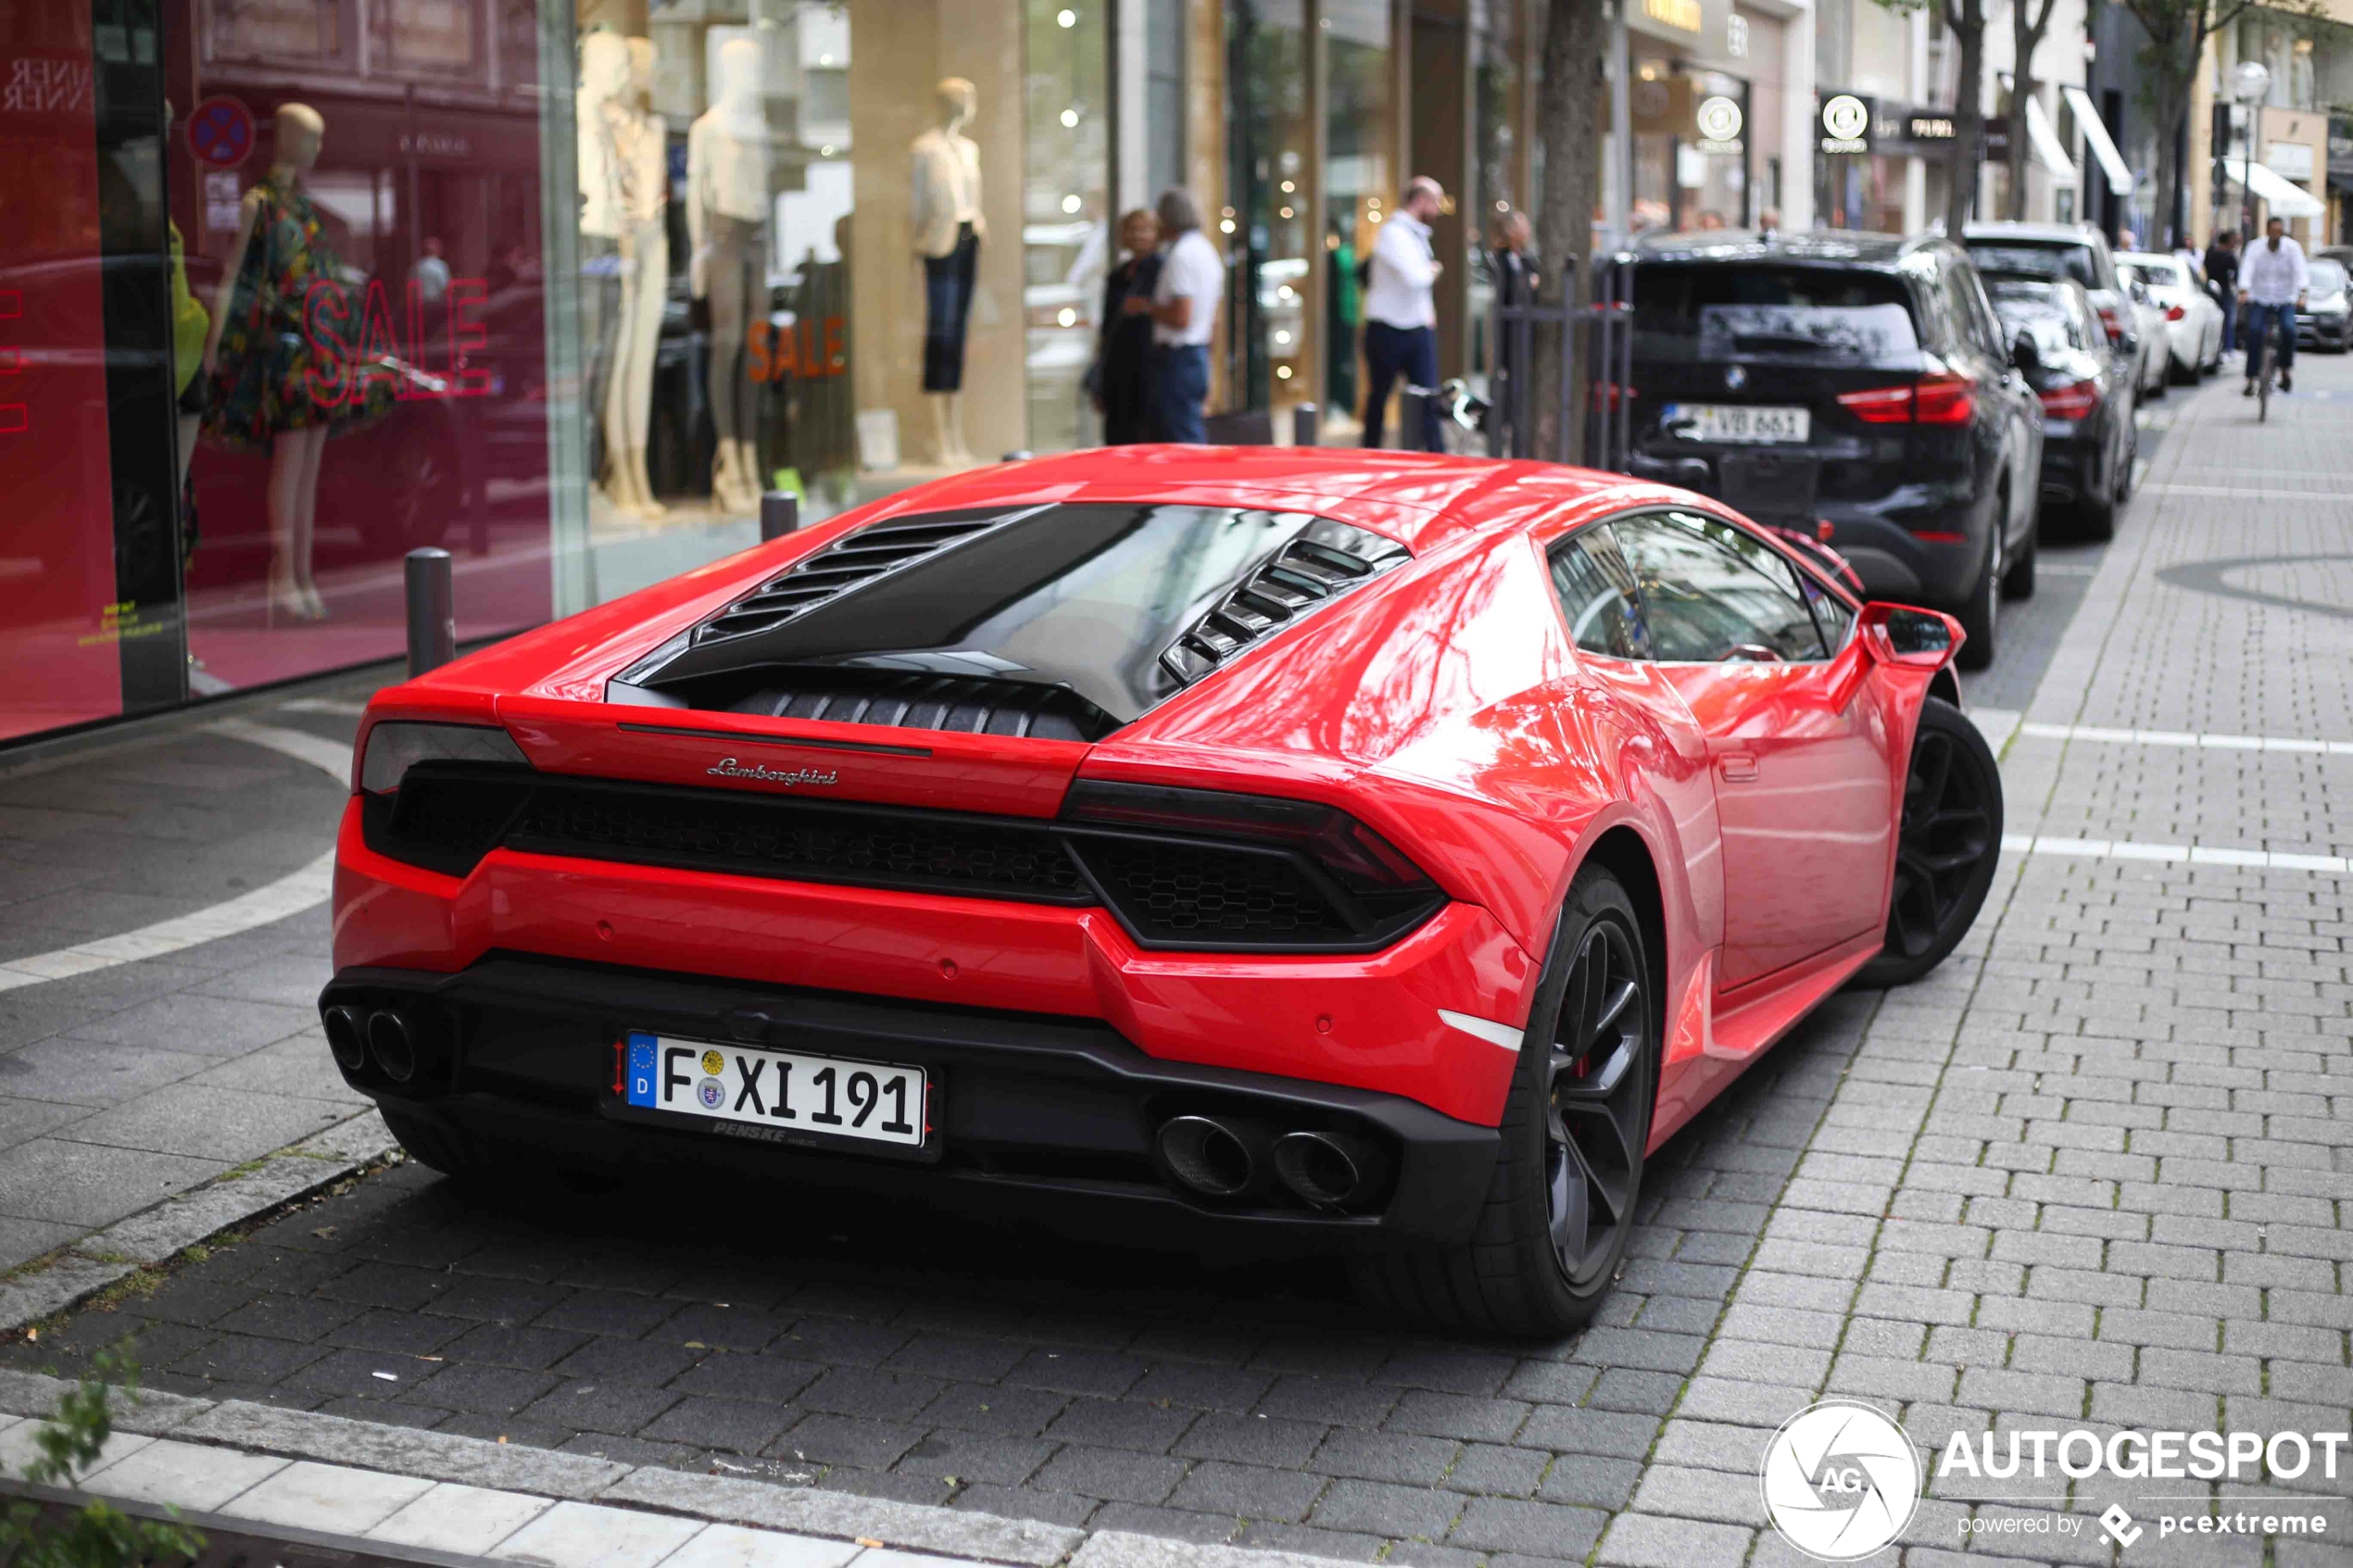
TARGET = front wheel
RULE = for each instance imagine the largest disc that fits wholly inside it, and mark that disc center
(1947, 847)
(1560, 1206)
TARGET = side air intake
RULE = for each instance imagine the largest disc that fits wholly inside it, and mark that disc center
(869, 555)
(1325, 560)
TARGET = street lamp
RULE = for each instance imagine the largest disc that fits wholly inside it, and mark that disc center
(2250, 85)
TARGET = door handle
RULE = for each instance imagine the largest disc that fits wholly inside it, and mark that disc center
(1737, 766)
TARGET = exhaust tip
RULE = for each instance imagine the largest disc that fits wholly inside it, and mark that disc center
(389, 1043)
(1206, 1155)
(1326, 1169)
(347, 1037)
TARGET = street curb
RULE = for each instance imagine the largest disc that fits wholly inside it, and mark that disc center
(105, 1257)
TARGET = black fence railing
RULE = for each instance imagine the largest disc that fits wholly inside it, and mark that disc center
(1535, 341)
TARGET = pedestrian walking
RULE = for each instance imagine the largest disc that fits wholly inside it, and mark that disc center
(2222, 282)
(1509, 266)
(1400, 315)
(1183, 309)
(1123, 342)
(2271, 285)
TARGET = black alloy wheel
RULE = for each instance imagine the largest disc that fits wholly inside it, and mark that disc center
(1598, 1112)
(1945, 846)
(1544, 1251)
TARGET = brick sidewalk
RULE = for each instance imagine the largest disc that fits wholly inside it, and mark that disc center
(123, 1086)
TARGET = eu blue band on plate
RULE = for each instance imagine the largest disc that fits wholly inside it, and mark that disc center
(643, 1049)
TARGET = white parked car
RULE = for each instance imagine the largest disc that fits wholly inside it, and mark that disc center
(2192, 321)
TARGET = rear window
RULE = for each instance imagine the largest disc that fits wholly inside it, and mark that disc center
(1773, 315)
(2065, 260)
(2325, 277)
(2160, 274)
(2042, 320)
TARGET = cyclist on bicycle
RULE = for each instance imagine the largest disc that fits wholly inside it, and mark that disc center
(2272, 283)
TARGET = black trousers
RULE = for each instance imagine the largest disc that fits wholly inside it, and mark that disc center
(1390, 352)
(948, 304)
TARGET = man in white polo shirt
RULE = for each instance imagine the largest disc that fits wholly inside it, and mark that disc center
(1184, 312)
(1401, 318)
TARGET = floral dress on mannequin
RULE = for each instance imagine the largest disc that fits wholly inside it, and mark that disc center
(274, 370)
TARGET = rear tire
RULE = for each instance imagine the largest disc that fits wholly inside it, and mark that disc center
(1573, 1135)
(2099, 516)
(1947, 845)
(1981, 612)
(2017, 582)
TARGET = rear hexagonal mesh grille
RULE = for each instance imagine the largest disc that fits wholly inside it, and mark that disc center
(799, 839)
(1171, 890)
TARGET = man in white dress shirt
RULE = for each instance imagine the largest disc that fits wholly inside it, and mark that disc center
(1183, 308)
(1401, 318)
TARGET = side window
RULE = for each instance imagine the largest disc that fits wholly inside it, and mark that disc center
(1711, 592)
(1831, 614)
(1596, 589)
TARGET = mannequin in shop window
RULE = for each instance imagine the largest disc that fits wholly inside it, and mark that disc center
(604, 82)
(285, 366)
(944, 217)
(638, 141)
(727, 212)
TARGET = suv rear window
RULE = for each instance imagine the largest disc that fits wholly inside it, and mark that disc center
(2063, 259)
(1774, 315)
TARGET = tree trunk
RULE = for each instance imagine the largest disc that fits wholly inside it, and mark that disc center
(1569, 121)
(2177, 70)
(2026, 36)
(1966, 22)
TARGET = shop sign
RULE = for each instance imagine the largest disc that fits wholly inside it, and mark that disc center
(1702, 26)
(1846, 125)
(2289, 160)
(1719, 125)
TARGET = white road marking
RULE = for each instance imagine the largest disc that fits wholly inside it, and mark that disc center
(2205, 741)
(2189, 854)
(1486, 1029)
(290, 894)
(1997, 725)
(2240, 493)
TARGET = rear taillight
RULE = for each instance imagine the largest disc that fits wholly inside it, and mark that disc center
(1945, 400)
(2174, 312)
(1940, 400)
(1878, 404)
(2113, 321)
(2074, 401)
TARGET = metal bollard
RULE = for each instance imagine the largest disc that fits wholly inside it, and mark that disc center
(433, 611)
(1303, 424)
(779, 514)
(1018, 454)
(1413, 412)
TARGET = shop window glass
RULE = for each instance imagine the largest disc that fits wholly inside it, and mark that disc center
(1361, 182)
(1497, 47)
(1267, 223)
(1066, 221)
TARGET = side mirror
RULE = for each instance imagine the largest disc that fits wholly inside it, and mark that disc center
(1922, 639)
(2024, 355)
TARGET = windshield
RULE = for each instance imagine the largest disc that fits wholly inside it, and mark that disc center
(2327, 277)
(1773, 315)
(2065, 259)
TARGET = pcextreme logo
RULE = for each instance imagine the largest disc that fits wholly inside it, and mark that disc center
(1840, 1480)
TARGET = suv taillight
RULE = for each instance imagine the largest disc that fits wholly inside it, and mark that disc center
(1943, 398)
(2073, 401)
(2174, 312)
(2113, 321)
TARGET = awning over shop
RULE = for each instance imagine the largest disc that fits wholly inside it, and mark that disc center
(2047, 150)
(2281, 198)
(2119, 179)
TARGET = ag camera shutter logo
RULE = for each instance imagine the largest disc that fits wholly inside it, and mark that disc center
(1840, 1480)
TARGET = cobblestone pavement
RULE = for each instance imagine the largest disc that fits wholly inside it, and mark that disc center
(128, 1084)
(2091, 1172)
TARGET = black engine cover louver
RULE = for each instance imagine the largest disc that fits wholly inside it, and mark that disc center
(922, 701)
(1324, 562)
(849, 562)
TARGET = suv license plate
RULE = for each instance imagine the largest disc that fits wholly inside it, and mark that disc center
(1737, 421)
(782, 1091)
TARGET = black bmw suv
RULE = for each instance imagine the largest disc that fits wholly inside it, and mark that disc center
(1854, 385)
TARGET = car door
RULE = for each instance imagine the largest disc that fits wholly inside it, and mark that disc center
(1802, 768)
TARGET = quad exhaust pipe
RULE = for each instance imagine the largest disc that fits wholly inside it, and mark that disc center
(1218, 1157)
(348, 1038)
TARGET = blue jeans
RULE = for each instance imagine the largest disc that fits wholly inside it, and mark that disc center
(1390, 352)
(2259, 318)
(1175, 381)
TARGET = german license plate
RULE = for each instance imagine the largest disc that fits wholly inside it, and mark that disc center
(781, 1091)
(1737, 421)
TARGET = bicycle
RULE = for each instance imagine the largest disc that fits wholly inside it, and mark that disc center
(2267, 369)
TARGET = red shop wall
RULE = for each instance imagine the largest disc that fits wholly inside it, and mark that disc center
(58, 658)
